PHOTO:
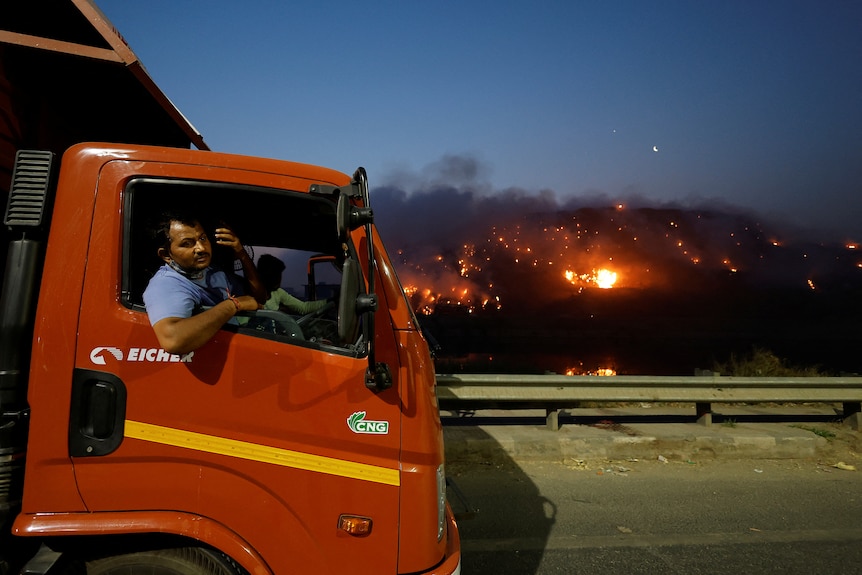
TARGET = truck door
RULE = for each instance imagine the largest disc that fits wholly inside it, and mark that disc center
(273, 436)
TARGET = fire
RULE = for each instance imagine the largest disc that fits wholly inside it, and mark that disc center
(464, 295)
(606, 279)
(523, 255)
(602, 371)
(603, 278)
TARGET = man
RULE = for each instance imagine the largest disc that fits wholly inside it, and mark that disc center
(186, 282)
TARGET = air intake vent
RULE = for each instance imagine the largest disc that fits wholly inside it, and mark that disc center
(31, 182)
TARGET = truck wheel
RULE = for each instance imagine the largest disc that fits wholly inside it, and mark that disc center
(179, 561)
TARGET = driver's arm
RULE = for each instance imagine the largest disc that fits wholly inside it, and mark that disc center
(181, 335)
(255, 286)
(226, 237)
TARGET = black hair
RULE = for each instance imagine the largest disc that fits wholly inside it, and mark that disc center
(269, 269)
(269, 264)
(161, 228)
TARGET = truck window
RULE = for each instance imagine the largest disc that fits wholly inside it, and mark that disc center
(294, 232)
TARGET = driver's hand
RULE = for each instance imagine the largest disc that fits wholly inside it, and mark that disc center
(226, 237)
(247, 303)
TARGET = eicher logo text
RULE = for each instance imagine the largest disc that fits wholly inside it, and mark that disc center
(102, 355)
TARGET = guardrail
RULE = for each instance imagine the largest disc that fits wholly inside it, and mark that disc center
(556, 392)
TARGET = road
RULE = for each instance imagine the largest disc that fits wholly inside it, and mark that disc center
(637, 517)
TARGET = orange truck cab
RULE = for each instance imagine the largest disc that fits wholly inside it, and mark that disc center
(289, 442)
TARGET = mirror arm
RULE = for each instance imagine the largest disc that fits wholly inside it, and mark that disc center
(378, 377)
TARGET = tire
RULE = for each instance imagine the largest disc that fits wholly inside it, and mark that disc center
(175, 561)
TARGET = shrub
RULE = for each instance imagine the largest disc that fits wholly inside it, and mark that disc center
(763, 363)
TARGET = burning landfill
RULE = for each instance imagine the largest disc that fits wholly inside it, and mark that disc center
(464, 252)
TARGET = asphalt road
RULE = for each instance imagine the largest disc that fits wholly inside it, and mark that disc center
(636, 517)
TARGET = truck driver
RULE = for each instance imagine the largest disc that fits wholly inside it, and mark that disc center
(186, 283)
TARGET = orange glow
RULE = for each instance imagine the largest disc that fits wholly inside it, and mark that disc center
(603, 278)
(594, 248)
(606, 279)
(602, 371)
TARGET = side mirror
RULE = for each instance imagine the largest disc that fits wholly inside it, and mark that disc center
(348, 316)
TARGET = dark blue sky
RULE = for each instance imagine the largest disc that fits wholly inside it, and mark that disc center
(756, 104)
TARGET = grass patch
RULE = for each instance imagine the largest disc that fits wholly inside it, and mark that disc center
(825, 433)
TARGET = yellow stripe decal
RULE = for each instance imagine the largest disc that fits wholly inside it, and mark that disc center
(261, 453)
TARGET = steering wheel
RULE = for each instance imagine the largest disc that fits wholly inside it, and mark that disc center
(316, 313)
(275, 322)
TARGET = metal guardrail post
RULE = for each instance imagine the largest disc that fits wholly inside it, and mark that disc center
(852, 413)
(703, 409)
(552, 419)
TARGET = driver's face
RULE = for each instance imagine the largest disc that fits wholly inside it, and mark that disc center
(190, 247)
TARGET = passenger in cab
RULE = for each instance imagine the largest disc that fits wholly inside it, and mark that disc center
(270, 270)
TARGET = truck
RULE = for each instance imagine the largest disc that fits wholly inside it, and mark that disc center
(287, 443)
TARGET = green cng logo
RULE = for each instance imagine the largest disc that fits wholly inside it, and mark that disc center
(358, 424)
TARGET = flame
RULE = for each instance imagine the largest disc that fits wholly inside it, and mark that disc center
(602, 371)
(603, 278)
(606, 279)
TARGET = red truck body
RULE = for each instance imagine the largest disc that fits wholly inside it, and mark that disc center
(274, 453)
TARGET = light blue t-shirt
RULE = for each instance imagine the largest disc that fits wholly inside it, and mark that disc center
(171, 294)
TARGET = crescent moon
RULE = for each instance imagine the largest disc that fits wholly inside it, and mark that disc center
(655, 148)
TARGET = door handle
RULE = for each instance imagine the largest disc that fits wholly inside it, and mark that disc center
(97, 414)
